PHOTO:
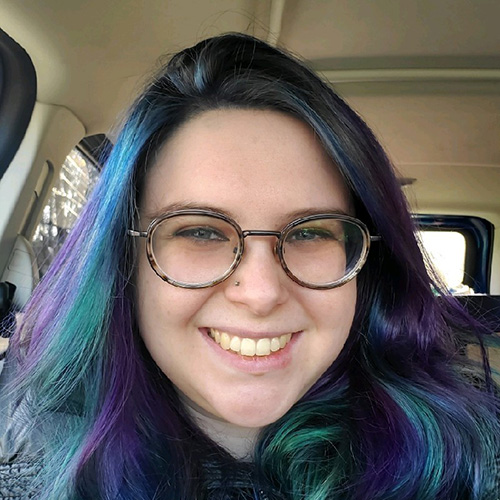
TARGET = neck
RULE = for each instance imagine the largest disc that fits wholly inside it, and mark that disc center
(238, 441)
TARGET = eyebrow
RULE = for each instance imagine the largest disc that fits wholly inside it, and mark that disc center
(172, 207)
(315, 211)
(284, 219)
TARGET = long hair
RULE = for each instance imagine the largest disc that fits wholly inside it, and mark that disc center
(400, 413)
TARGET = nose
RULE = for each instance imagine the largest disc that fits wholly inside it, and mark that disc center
(262, 283)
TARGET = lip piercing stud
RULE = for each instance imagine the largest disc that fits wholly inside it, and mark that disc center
(236, 283)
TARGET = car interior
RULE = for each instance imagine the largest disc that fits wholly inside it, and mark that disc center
(424, 74)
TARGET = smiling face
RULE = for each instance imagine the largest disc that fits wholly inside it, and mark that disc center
(262, 168)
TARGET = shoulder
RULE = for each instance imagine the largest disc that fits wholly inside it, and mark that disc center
(16, 480)
(16, 473)
(15, 422)
(23, 443)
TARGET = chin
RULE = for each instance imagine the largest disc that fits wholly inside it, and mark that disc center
(256, 416)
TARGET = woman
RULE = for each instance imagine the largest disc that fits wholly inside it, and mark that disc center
(243, 310)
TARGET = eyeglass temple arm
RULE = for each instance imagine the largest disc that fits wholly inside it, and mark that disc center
(139, 234)
(375, 238)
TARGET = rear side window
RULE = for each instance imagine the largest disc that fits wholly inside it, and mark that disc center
(79, 175)
(446, 250)
(460, 250)
(17, 97)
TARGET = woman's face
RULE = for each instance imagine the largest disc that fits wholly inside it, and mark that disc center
(264, 169)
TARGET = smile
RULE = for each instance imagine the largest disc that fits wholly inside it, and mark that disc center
(249, 347)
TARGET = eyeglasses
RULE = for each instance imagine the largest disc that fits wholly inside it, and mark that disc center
(201, 248)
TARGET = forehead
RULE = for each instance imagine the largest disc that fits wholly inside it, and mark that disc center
(249, 163)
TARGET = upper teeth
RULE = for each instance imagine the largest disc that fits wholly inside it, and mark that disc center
(249, 347)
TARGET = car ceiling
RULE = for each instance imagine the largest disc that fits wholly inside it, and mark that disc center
(424, 73)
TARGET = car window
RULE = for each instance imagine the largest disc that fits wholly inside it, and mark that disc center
(78, 177)
(459, 249)
(446, 250)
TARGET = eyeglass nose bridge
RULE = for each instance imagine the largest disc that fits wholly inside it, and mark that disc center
(259, 232)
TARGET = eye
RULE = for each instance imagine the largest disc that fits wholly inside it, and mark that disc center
(305, 234)
(201, 233)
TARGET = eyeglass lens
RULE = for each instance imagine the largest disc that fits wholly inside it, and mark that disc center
(323, 251)
(195, 249)
(199, 249)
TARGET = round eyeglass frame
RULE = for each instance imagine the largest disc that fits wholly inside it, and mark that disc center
(242, 234)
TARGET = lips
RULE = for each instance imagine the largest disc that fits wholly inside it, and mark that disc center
(245, 346)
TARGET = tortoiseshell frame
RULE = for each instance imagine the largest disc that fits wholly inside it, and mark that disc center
(278, 249)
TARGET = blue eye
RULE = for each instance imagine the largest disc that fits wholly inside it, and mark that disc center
(201, 234)
(305, 234)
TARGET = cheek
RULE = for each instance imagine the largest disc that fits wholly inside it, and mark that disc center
(164, 312)
(333, 312)
(334, 307)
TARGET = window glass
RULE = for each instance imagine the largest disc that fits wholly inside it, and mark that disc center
(79, 175)
(477, 234)
(447, 250)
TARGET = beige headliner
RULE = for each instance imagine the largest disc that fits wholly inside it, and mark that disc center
(424, 73)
